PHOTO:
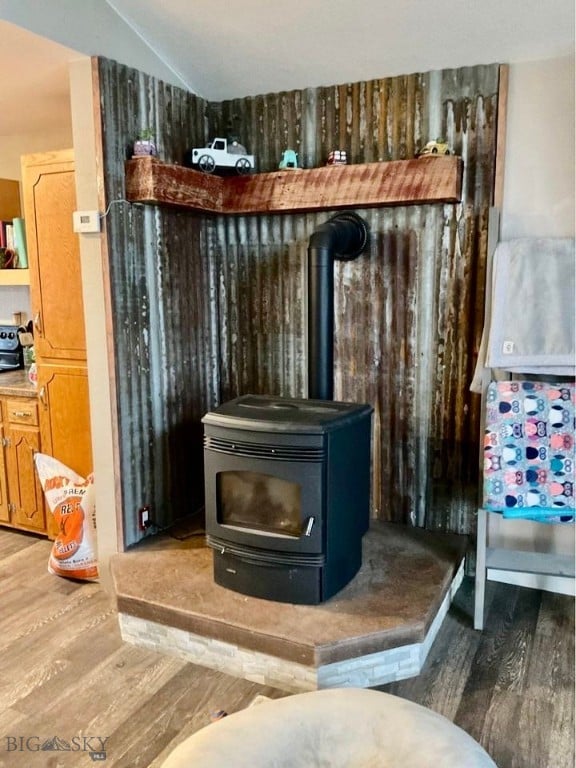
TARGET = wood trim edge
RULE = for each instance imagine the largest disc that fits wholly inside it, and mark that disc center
(501, 122)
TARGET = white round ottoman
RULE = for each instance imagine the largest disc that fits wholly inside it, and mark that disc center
(335, 728)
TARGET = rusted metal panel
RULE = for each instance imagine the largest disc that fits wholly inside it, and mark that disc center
(162, 295)
(262, 305)
(373, 121)
(209, 308)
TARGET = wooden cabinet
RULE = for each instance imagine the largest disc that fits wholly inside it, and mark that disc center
(21, 442)
(21, 497)
(49, 195)
(54, 255)
(64, 415)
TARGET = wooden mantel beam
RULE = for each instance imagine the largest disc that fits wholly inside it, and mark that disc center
(399, 182)
(150, 181)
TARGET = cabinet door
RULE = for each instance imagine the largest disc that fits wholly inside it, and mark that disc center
(64, 413)
(54, 255)
(4, 509)
(26, 498)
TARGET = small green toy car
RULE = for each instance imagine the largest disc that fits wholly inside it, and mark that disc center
(289, 159)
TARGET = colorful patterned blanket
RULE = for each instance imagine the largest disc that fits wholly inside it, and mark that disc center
(529, 450)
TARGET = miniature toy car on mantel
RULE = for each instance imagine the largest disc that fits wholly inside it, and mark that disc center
(337, 157)
(219, 153)
(289, 159)
(438, 147)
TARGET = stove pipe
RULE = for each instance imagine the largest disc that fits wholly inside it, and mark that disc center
(342, 237)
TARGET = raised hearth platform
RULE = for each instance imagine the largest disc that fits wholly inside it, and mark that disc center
(379, 628)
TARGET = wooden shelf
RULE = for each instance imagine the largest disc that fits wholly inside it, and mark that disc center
(399, 182)
(14, 277)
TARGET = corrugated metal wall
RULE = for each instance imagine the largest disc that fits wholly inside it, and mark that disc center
(209, 308)
(165, 337)
(408, 314)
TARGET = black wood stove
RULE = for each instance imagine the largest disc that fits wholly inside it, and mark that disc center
(287, 481)
(287, 495)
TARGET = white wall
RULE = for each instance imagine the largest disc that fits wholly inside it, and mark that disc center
(14, 298)
(539, 161)
(539, 200)
(91, 27)
(12, 147)
(93, 257)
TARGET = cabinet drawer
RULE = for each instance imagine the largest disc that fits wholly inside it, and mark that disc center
(21, 412)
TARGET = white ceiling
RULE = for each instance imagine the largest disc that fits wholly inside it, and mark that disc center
(232, 48)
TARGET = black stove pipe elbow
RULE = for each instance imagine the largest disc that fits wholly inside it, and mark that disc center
(342, 237)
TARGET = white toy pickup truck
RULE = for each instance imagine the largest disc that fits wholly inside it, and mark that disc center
(220, 154)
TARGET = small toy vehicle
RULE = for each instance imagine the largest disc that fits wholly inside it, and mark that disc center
(438, 147)
(289, 159)
(220, 153)
(337, 157)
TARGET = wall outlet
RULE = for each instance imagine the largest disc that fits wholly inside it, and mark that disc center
(144, 518)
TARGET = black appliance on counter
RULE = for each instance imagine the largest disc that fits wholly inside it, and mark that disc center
(11, 351)
(287, 486)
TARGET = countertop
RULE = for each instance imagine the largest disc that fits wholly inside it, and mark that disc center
(16, 384)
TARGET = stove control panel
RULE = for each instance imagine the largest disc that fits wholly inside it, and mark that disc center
(9, 337)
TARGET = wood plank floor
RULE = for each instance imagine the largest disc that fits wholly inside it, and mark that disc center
(511, 687)
(64, 672)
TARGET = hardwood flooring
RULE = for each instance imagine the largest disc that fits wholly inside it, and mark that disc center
(65, 673)
(511, 687)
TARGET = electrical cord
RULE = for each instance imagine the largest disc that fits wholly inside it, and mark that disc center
(167, 529)
(114, 202)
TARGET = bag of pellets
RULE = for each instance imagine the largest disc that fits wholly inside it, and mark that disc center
(70, 499)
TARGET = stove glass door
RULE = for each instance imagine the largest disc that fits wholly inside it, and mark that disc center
(268, 503)
(259, 501)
